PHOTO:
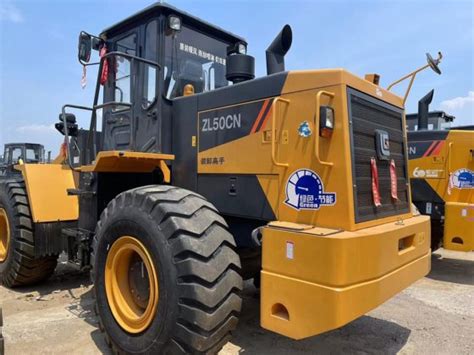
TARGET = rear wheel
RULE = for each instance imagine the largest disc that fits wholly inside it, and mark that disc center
(19, 264)
(166, 274)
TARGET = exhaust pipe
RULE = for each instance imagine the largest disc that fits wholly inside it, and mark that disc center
(278, 48)
(423, 110)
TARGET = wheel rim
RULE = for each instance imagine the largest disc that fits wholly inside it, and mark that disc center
(131, 284)
(4, 235)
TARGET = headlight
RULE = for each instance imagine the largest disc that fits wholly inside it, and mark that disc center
(326, 123)
(174, 22)
(242, 48)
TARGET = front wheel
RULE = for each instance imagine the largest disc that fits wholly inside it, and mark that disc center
(166, 274)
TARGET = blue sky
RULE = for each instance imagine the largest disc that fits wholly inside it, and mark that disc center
(39, 71)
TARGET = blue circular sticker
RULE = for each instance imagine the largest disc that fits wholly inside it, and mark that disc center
(305, 191)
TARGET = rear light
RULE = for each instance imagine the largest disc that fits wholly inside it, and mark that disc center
(326, 121)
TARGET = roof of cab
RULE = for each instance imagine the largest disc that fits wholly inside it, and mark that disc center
(169, 9)
(23, 144)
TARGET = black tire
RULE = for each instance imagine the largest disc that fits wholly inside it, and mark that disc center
(21, 267)
(198, 271)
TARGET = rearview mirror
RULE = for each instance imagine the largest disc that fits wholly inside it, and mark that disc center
(85, 47)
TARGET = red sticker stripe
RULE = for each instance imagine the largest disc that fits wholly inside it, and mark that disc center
(259, 117)
(269, 113)
(438, 148)
(428, 151)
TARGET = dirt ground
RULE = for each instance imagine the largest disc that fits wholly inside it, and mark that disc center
(433, 316)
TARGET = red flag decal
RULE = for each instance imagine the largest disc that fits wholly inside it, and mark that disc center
(105, 66)
(63, 149)
(375, 183)
(393, 180)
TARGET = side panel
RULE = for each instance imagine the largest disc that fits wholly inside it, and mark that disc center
(237, 140)
(441, 168)
(47, 187)
(244, 100)
(444, 160)
(232, 156)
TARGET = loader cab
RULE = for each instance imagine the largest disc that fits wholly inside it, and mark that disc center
(167, 54)
(18, 153)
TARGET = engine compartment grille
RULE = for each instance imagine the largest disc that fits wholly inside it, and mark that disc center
(366, 115)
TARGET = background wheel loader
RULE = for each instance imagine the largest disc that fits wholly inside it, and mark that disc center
(188, 184)
(442, 175)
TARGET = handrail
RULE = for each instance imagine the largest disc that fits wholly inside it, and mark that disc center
(78, 107)
(125, 55)
(66, 132)
(129, 56)
(317, 118)
(273, 138)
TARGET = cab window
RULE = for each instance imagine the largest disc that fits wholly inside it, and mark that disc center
(17, 154)
(192, 57)
(122, 83)
(6, 156)
(32, 156)
(151, 49)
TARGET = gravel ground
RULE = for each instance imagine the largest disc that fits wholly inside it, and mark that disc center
(433, 316)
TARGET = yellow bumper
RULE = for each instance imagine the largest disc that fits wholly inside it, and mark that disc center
(312, 283)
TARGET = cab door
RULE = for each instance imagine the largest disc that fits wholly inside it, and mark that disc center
(117, 120)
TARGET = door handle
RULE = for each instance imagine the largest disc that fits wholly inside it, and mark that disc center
(273, 138)
(152, 114)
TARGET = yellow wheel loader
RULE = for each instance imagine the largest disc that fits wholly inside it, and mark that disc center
(442, 176)
(197, 175)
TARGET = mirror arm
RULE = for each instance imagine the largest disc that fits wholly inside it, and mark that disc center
(413, 73)
(412, 76)
(432, 63)
(407, 92)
